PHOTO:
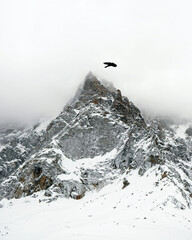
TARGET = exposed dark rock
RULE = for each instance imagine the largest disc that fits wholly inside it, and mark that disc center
(164, 175)
(125, 183)
(189, 131)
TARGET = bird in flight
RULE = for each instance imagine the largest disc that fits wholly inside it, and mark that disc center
(110, 64)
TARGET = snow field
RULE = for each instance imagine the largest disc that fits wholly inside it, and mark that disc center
(134, 212)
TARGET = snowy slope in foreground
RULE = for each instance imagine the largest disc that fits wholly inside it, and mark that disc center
(134, 212)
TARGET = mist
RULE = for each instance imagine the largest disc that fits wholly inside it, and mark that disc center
(48, 46)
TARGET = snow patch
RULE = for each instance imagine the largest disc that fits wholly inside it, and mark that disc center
(42, 126)
(180, 131)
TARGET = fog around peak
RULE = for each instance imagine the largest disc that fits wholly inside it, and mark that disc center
(108, 85)
(48, 47)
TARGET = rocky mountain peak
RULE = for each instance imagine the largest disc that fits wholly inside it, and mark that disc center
(107, 99)
(102, 127)
(94, 86)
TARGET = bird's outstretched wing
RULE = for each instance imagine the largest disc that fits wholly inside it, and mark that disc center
(110, 64)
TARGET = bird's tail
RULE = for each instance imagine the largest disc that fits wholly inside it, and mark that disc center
(106, 66)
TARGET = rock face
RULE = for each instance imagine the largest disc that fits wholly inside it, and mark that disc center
(97, 138)
(16, 147)
(93, 122)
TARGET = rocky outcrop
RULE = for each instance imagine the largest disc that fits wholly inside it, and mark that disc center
(17, 146)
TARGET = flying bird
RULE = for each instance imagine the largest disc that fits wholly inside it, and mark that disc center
(110, 64)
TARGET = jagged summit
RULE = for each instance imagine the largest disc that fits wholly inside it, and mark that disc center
(99, 137)
(89, 78)
(93, 85)
(106, 98)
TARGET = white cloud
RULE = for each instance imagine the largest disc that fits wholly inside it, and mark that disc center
(47, 47)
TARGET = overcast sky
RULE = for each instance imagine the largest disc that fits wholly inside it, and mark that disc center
(48, 46)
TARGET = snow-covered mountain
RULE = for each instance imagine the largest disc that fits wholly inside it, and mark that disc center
(99, 136)
(99, 141)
